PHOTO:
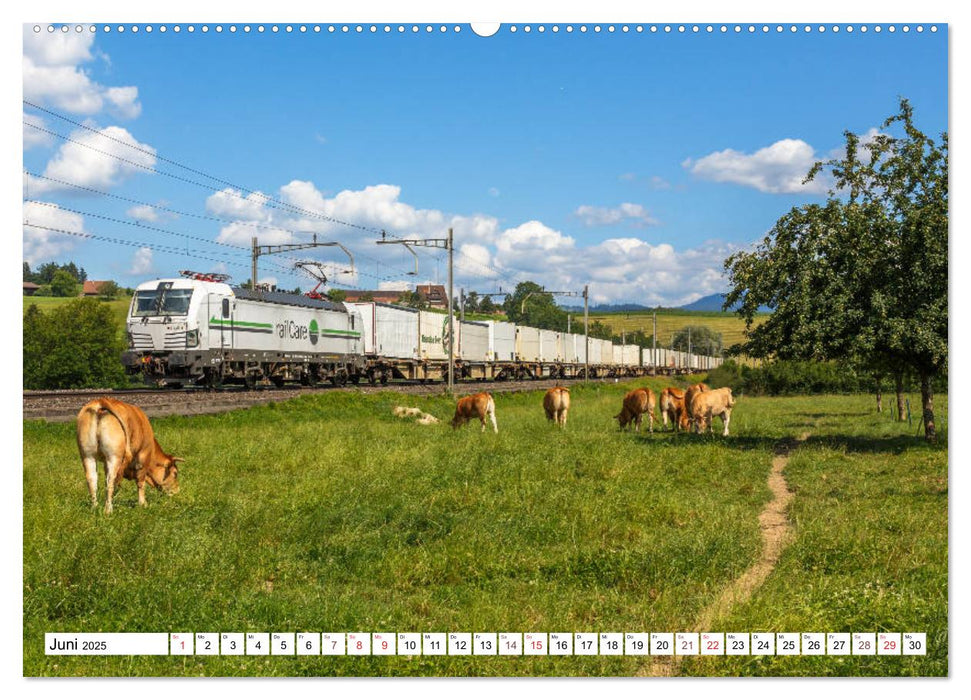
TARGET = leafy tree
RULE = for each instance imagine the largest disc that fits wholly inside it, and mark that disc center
(702, 340)
(472, 302)
(72, 346)
(531, 306)
(44, 291)
(486, 306)
(109, 290)
(862, 278)
(64, 284)
(337, 295)
(413, 299)
(367, 296)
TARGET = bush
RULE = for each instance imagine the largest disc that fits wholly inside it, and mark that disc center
(44, 291)
(74, 346)
(63, 284)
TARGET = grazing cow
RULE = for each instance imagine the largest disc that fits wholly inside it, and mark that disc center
(637, 403)
(708, 404)
(672, 406)
(556, 403)
(475, 406)
(120, 435)
(687, 417)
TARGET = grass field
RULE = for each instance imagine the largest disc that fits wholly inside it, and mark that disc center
(671, 321)
(327, 514)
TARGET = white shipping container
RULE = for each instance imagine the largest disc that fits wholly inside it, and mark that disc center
(631, 355)
(596, 351)
(549, 346)
(502, 341)
(580, 348)
(389, 331)
(473, 341)
(527, 344)
(432, 335)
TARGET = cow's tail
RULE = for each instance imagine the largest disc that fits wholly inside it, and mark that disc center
(491, 411)
(104, 408)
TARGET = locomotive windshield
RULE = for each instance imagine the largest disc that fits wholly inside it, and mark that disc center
(162, 302)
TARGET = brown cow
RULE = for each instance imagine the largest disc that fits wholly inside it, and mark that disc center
(556, 403)
(120, 435)
(672, 406)
(475, 406)
(687, 418)
(637, 403)
(708, 404)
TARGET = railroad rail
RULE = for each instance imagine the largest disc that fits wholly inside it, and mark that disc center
(59, 406)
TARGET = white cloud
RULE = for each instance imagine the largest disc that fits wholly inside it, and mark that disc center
(494, 191)
(53, 76)
(396, 285)
(627, 177)
(41, 243)
(35, 137)
(659, 183)
(633, 214)
(487, 255)
(80, 164)
(779, 168)
(141, 262)
(143, 212)
(232, 204)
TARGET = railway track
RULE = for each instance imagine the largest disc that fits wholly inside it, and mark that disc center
(62, 406)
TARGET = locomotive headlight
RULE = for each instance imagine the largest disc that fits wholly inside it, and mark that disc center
(192, 338)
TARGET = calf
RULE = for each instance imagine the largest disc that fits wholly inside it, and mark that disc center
(556, 403)
(687, 417)
(672, 406)
(637, 403)
(708, 404)
(120, 435)
(475, 406)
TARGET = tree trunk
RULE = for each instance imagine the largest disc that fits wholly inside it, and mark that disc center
(879, 391)
(927, 403)
(899, 385)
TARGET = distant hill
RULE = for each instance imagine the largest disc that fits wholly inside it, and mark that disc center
(713, 302)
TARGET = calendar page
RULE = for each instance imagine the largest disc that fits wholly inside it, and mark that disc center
(515, 349)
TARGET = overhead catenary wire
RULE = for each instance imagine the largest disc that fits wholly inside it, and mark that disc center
(272, 202)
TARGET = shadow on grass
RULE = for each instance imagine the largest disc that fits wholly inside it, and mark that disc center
(857, 444)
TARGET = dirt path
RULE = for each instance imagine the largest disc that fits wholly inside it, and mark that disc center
(776, 535)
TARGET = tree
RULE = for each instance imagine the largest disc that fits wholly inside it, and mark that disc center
(413, 299)
(862, 278)
(337, 295)
(539, 309)
(367, 296)
(702, 339)
(64, 284)
(472, 302)
(109, 290)
(73, 346)
(486, 306)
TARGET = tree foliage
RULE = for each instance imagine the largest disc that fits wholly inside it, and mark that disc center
(702, 340)
(109, 290)
(63, 284)
(45, 273)
(863, 277)
(72, 346)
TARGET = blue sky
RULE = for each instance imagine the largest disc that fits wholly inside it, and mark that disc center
(634, 162)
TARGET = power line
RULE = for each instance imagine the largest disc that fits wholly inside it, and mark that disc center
(270, 201)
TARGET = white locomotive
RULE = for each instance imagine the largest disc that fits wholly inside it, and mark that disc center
(202, 331)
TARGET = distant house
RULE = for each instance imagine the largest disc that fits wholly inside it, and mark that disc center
(30, 288)
(384, 296)
(435, 293)
(92, 288)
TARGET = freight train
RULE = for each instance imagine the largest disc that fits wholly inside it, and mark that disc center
(198, 330)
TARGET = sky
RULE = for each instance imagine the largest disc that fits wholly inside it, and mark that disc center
(633, 162)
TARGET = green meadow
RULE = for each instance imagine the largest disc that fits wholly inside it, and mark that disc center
(328, 514)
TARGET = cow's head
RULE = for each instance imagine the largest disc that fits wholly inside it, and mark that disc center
(623, 418)
(164, 473)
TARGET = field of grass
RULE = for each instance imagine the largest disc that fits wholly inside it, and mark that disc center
(670, 322)
(327, 514)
